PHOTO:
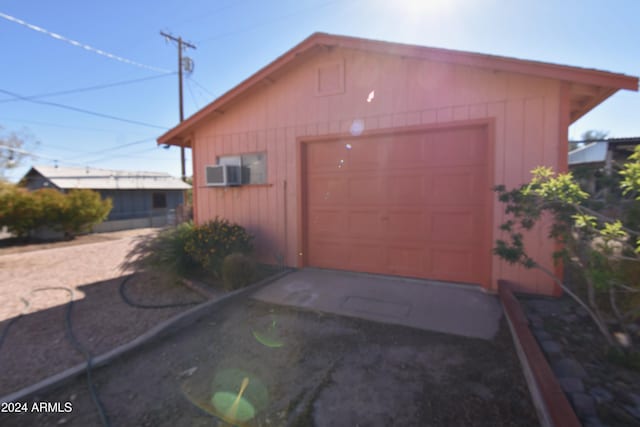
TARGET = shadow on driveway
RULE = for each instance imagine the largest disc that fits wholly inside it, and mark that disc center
(281, 366)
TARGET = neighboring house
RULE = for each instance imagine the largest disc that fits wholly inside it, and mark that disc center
(381, 157)
(595, 159)
(140, 199)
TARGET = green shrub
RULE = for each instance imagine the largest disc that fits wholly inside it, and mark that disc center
(164, 251)
(211, 242)
(238, 270)
(20, 211)
(23, 211)
(54, 206)
(83, 209)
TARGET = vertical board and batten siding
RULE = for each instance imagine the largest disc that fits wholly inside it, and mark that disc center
(524, 112)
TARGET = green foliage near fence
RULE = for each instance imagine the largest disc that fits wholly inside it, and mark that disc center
(23, 211)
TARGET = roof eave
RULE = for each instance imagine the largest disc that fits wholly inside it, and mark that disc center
(609, 82)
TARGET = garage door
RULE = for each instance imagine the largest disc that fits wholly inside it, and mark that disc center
(413, 204)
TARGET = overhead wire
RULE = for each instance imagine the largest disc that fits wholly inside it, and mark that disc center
(268, 21)
(81, 45)
(201, 86)
(86, 89)
(128, 155)
(117, 147)
(81, 110)
(41, 123)
(193, 97)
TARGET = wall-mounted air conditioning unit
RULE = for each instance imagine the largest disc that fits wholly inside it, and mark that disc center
(223, 175)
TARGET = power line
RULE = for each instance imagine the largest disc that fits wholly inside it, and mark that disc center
(81, 45)
(129, 155)
(193, 97)
(88, 88)
(269, 21)
(81, 110)
(57, 125)
(201, 86)
(117, 147)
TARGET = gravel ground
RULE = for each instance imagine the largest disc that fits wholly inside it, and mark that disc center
(602, 393)
(36, 345)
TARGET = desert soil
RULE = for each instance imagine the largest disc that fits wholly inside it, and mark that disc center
(35, 344)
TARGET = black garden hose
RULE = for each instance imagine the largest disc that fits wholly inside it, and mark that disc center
(132, 303)
(5, 330)
(104, 419)
(74, 342)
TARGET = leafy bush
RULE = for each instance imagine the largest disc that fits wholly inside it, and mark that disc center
(164, 251)
(238, 270)
(19, 211)
(603, 248)
(82, 210)
(23, 211)
(54, 206)
(211, 242)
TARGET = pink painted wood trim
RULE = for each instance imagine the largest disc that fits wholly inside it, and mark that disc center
(555, 401)
(399, 129)
(563, 163)
(301, 203)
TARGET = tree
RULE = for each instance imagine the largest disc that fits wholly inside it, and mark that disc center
(594, 135)
(603, 248)
(588, 136)
(12, 149)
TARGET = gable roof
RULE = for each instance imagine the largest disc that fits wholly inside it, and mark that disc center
(589, 87)
(67, 178)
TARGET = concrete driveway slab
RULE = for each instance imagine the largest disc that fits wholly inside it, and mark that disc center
(435, 306)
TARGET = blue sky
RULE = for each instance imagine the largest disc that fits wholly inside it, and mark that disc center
(235, 38)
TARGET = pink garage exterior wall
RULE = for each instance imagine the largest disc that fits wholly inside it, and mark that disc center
(525, 111)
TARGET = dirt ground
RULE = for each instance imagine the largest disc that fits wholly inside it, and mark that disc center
(301, 368)
(10, 245)
(36, 345)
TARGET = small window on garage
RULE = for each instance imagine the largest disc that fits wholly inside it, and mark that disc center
(159, 201)
(254, 166)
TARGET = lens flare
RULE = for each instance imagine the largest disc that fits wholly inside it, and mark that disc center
(372, 95)
(235, 396)
(357, 127)
(234, 408)
(269, 338)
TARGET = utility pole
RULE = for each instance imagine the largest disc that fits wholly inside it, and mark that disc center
(181, 45)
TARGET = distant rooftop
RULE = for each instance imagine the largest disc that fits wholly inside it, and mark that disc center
(67, 178)
(596, 151)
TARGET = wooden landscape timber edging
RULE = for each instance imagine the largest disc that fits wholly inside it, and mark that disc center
(554, 410)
